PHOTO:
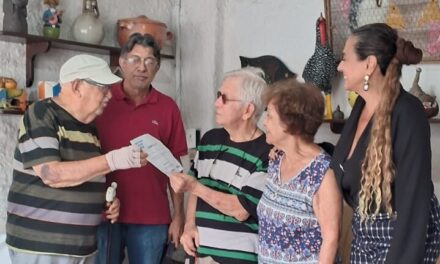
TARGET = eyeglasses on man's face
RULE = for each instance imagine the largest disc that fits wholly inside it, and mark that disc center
(225, 99)
(103, 87)
(149, 62)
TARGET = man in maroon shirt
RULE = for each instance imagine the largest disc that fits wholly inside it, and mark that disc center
(137, 108)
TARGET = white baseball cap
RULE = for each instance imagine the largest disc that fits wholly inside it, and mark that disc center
(87, 67)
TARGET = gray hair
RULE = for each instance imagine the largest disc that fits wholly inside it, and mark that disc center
(252, 86)
(145, 40)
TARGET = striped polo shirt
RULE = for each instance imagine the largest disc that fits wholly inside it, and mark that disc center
(232, 168)
(46, 220)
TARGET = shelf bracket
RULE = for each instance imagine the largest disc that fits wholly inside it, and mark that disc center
(32, 49)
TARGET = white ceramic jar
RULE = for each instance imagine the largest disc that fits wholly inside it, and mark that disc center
(87, 27)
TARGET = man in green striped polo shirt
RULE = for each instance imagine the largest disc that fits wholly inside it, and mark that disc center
(227, 176)
(57, 194)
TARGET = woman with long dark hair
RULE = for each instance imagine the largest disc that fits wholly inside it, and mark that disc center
(382, 161)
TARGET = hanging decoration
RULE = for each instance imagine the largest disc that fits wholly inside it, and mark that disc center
(415, 20)
(433, 46)
(431, 13)
(321, 67)
(394, 18)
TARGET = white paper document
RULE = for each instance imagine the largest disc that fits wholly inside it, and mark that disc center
(158, 155)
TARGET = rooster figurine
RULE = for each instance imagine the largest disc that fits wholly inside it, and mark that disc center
(321, 67)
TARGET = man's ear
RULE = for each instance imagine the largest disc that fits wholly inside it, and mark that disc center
(121, 62)
(249, 111)
(75, 86)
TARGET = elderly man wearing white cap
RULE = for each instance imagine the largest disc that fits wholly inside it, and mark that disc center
(57, 194)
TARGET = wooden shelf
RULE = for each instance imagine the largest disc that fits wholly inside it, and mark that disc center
(38, 44)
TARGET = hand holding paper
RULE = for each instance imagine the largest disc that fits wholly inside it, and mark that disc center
(158, 154)
(124, 158)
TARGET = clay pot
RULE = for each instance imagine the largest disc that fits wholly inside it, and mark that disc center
(143, 25)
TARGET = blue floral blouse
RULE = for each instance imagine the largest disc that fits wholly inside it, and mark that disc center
(288, 228)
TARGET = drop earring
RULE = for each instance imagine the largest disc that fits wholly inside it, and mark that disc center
(366, 84)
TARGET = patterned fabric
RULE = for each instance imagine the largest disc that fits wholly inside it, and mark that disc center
(232, 168)
(372, 239)
(289, 230)
(42, 219)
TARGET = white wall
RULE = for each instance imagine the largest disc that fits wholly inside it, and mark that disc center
(210, 34)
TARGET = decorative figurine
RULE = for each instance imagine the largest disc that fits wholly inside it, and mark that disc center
(337, 123)
(274, 69)
(338, 114)
(52, 19)
(429, 102)
(321, 67)
(15, 14)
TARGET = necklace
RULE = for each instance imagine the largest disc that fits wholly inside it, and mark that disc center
(253, 133)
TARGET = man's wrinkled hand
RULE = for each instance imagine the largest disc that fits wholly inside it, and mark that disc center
(182, 183)
(190, 240)
(175, 230)
(112, 212)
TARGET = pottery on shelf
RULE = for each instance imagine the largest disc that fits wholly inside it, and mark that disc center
(87, 27)
(338, 114)
(52, 19)
(143, 25)
(51, 32)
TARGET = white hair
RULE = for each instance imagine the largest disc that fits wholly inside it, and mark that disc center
(252, 86)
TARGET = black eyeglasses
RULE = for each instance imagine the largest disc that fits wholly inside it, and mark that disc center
(225, 99)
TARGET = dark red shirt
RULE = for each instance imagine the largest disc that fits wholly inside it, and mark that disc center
(142, 191)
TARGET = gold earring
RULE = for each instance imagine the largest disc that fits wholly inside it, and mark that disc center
(366, 84)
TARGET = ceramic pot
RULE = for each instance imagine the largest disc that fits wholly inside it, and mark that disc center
(143, 25)
(51, 32)
(87, 27)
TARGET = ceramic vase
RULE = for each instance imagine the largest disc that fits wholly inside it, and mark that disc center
(87, 27)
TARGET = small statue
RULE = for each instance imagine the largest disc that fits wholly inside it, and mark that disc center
(274, 69)
(52, 19)
(428, 101)
(338, 114)
(15, 13)
(337, 122)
